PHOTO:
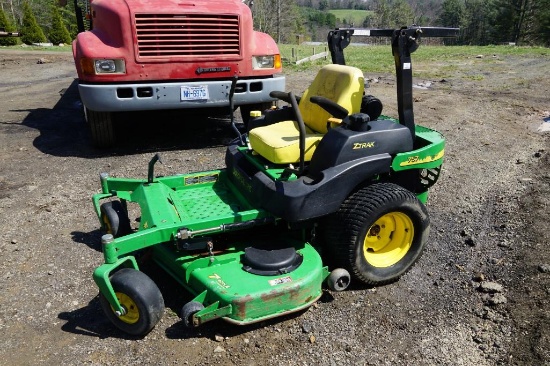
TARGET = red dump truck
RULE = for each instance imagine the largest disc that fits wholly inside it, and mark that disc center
(135, 55)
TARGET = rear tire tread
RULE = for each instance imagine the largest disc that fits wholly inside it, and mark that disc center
(101, 128)
(345, 226)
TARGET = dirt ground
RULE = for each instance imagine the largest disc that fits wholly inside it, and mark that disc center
(479, 295)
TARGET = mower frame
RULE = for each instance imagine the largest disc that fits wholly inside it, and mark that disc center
(183, 215)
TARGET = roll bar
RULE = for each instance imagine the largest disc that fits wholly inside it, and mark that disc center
(404, 42)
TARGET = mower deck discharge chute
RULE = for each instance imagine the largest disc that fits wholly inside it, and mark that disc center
(327, 177)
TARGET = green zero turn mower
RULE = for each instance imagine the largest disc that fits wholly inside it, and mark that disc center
(327, 176)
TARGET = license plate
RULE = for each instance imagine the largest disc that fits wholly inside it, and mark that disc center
(199, 92)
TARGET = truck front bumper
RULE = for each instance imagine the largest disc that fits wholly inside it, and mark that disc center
(153, 96)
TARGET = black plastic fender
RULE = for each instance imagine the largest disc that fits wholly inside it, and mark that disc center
(306, 197)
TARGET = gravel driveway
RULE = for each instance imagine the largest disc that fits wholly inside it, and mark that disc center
(479, 295)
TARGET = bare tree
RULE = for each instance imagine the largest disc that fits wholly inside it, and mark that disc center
(275, 17)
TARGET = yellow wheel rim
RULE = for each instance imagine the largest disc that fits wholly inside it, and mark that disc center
(132, 311)
(107, 223)
(388, 240)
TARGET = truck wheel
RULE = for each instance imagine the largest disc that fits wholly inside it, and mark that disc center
(101, 127)
(246, 108)
(140, 298)
(378, 233)
(115, 219)
(188, 311)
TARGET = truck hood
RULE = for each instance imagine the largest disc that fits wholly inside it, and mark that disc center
(185, 6)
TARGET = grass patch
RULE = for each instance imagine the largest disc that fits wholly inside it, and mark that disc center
(475, 77)
(20, 47)
(428, 61)
(357, 17)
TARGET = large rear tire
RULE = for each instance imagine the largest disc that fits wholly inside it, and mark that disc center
(101, 128)
(140, 298)
(378, 233)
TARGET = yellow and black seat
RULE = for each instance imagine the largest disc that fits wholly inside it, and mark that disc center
(279, 142)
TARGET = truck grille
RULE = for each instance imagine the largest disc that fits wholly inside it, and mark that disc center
(186, 35)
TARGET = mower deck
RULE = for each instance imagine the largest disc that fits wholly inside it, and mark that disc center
(239, 296)
(179, 212)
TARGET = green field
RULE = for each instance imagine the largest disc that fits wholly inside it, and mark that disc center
(351, 16)
(428, 61)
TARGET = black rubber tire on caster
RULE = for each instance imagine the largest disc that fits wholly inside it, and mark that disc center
(188, 311)
(115, 219)
(378, 233)
(140, 297)
(338, 280)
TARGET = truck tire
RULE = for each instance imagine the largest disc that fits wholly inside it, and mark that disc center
(101, 128)
(378, 233)
(246, 108)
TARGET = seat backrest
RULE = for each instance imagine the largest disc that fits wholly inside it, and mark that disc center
(339, 83)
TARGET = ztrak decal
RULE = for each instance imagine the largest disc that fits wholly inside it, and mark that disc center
(415, 160)
(363, 145)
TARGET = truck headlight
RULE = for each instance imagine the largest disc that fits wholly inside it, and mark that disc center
(105, 66)
(266, 62)
(116, 66)
(102, 66)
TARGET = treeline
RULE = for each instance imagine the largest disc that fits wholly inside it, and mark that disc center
(39, 21)
(482, 22)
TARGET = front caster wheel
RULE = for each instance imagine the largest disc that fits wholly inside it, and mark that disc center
(188, 312)
(141, 299)
(378, 233)
(115, 219)
(338, 280)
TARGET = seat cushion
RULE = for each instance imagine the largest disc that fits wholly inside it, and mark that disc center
(280, 142)
(339, 83)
